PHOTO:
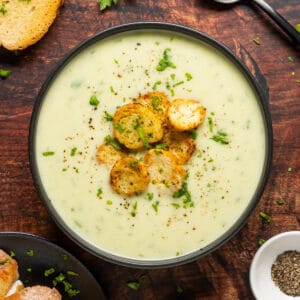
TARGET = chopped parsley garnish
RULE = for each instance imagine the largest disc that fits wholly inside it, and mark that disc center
(289, 170)
(154, 87)
(94, 101)
(135, 285)
(291, 58)
(103, 4)
(72, 273)
(188, 76)
(150, 196)
(48, 153)
(61, 279)
(4, 73)
(210, 124)
(279, 201)
(178, 83)
(49, 272)
(179, 289)
(256, 41)
(193, 134)
(12, 254)
(30, 252)
(119, 127)
(155, 102)
(134, 209)
(183, 192)
(112, 90)
(297, 27)
(165, 61)
(155, 206)
(220, 137)
(29, 270)
(113, 142)
(107, 116)
(161, 146)
(4, 261)
(99, 192)
(265, 216)
(261, 241)
(109, 202)
(176, 205)
(73, 151)
(133, 164)
(142, 135)
(3, 9)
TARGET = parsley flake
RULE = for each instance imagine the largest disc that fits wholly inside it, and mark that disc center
(4, 73)
(103, 4)
(165, 62)
(220, 137)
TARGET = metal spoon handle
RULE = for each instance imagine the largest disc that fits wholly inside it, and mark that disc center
(279, 20)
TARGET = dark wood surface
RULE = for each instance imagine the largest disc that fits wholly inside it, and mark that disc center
(223, 274)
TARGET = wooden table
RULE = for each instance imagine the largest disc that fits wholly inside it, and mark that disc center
(223, 274)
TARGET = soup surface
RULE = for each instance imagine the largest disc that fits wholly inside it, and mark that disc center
(222, 177)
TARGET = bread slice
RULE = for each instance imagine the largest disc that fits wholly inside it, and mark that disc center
(136, 126)
(164, 169)
(37, 292)
(108, 154)
(158, 102)
(8, 273)
(180, 144)
(128, 176)
(185, 114)
(24, 22)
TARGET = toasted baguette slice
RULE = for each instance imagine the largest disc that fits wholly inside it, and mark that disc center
(164, 169)
(158, 102)
(128, 176)
(8, 273)
(185, 114)
(180, 144)
(37, 292)
(135, 126)
(108, 154)
(23, 23)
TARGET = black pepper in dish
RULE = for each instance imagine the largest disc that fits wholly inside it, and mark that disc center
(285, 272)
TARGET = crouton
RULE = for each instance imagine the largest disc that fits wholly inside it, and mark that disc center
(163, 168)
(37, 292)
(185, 114)
(180, 144)
(23, 23)
(8, 273)
(136, 126)
(108, 154)
(128, 176)
(157, 101)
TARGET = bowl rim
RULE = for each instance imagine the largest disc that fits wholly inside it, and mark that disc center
(262, 100)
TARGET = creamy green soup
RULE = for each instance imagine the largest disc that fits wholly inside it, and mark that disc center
(223, 176)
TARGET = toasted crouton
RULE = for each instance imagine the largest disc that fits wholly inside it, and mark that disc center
(157, 101)
(37, 292)
(108, 154)
(128, 176)
(163, 168)
(180, 144)
(8, 273)
(23, 23)
(136, 126)
(185, 114)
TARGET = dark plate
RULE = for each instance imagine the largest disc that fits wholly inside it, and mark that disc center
(44, 255)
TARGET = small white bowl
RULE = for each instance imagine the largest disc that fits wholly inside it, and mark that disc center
(262, 285)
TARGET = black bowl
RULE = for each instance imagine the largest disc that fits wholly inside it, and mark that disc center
(262, 100)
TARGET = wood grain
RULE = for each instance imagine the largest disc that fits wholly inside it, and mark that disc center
(223, 274)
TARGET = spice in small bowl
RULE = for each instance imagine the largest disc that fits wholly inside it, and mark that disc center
(285, 272)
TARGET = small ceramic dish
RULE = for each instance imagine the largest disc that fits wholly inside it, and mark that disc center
(262, 285)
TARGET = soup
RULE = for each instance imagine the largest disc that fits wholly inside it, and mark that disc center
(222, 176)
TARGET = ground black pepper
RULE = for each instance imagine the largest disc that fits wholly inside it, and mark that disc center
(286, 272)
